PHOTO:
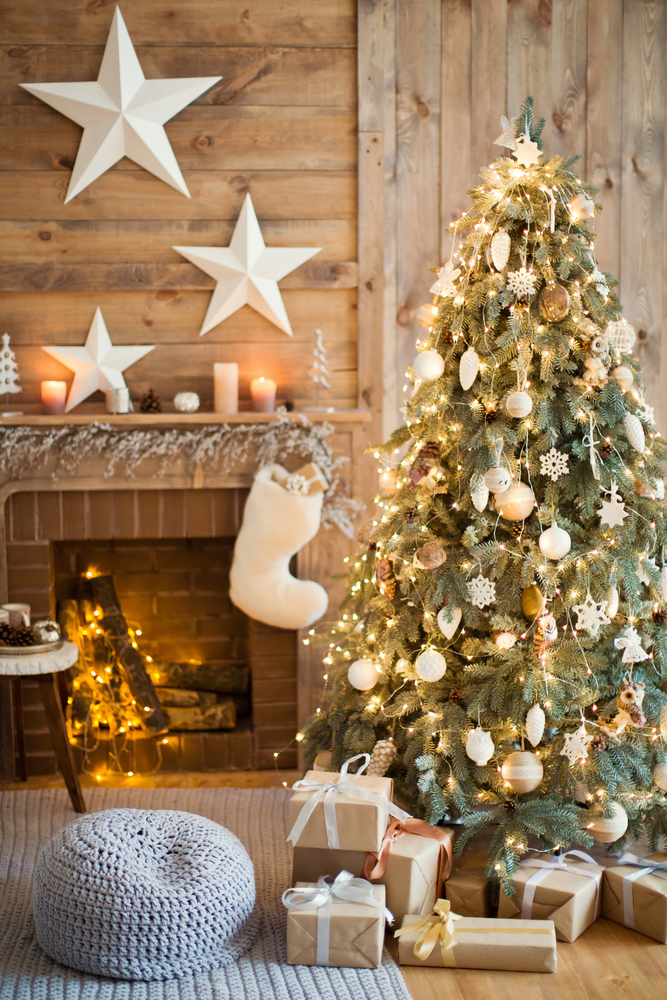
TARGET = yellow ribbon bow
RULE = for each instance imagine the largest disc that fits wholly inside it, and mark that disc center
(437, 926)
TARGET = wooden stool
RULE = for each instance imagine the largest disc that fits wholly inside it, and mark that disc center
(46, 669)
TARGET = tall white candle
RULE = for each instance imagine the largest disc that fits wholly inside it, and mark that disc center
(226, 384)
(263, 392)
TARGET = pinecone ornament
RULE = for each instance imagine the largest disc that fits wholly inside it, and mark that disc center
(456, 696)
(599, 743)
(446, 337)
(490, 414)
(605, 449)
(21, 635)
(659, 615)
(510, 806)
(516, 528)
(150, 402)
(382, 757)
(385, 579)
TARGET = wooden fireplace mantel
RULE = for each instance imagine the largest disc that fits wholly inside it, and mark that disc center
(180, 419)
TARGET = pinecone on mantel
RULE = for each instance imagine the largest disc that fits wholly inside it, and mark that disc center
(150, 402)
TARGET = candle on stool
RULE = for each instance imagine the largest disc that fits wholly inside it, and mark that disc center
(54, 395)
(226, 380)
(263, 391)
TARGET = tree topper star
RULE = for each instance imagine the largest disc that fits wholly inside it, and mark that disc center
(98, 364)
(526, 151)
(247, 272)
(612, 512)
(122, 113)
(576, 744)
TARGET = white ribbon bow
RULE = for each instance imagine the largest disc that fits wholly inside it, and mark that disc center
(557, 863)
(326, 793)
(346, 887)
(589, 442)
(646, 867)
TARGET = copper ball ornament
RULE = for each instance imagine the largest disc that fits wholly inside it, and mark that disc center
(427, 315)
(515, 503)
(554, 303)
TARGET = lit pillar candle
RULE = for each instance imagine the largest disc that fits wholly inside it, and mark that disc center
(54, 395)
(263, 391)
(226, 384)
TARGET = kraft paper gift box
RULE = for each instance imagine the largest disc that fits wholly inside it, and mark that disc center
(412, 865)
(342, 933)
(469, 892)
(635, 894)
(341, 811)
(446, 940)
(565, 891)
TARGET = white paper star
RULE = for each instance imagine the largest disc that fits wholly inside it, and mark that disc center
(247, 272)
(506, 138)
(526, 151)
(444, 284)
(481, 591)
(576, 745)
(612, 511)
(98, 364)
(591, 614)
(122, 113)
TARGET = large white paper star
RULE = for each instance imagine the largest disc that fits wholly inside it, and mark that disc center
(122, 113)
(98, 364)
(612, 512)
(247, 272)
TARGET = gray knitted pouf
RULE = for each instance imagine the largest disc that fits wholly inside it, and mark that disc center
(144, 894)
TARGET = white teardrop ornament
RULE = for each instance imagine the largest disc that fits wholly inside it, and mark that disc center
(480, 496)
(428, 366)
(449, 624)
(535, 720)
(518, 404)
(612, 602)
(497, 479)
(500, 249)
(479, 746)
(468, 368)
(555, 542)
(634, 432)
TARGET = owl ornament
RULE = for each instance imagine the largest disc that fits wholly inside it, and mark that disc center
(629, 702)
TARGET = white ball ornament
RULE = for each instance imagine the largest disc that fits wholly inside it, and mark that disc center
(581, 207)
(497, 479)
(322, 761)
(429, 365)
(186, 402)
(516, 503)
(535, 721)
(623, 376)
(518, 404)
(479, 746)
(388, 480)
(431, 665)
(634, 432)
(608, 830)
(555, 542)
(523, 771)
(660, 776)
(505, 640)
(620, 335)
(612, 602)
(468, 368)
(363, 674)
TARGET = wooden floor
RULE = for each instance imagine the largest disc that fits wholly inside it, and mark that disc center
(608, 962)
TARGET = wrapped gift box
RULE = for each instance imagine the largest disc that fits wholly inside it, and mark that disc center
(469, 892)
(355, 932)
(566, 891)
(636, 897)
(485, 943)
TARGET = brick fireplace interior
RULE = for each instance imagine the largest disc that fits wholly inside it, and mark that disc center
(169, 552)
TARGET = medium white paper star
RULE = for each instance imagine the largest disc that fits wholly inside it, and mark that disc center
(506, 138)
(526, 151)
(591, 614)
(612, 511)
(576, 745)
(122, 113)
(247, 272)
(444, 284)
(98, 364)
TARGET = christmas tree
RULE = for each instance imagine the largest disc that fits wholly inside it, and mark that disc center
(504, 622)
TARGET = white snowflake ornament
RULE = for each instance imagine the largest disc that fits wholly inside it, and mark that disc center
(526, 151)
(506, 138)
(576, 745)
(591, 614)
(612, 512)
(481, 591)
(631, 644)
(444, 283)
(522, 283)
(554, 464)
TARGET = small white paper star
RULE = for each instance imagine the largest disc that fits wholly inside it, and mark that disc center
(526, 151)
(576, 745)
(591, 614)
(481, 591)
(444, 284)
(247, 272)
(612, 512)
(506, 138)
(554, 464)
(631, 643)
(98, 364)
(122, 113)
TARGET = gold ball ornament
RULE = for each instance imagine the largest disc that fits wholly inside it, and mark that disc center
(581, 207)
(428, 366)
(554, 303)
(388, 480)
(523, 771)
(497, 479)
(322, 761)
(427, 315)
(532, 602)
(623, 376)
(516, 503)
(363, 674)
(555, 542)
(518, 404)
(660, 776)
(608, 829)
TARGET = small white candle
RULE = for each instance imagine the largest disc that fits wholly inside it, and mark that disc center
(54, 395)
(263, 392)
(226, 384)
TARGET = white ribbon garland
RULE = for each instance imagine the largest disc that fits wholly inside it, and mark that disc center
(646, 867)
(327, 791)
(589, 442)
(346, 887)
(557, 863)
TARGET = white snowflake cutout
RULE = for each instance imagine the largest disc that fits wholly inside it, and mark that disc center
(507, 138)
(591, 614)
(642, 575)
(632, 646)
(481, 591)
(554, 464)
(576, 744)
(526, 151)
(612, 512)
(444, 284)
(521, 282)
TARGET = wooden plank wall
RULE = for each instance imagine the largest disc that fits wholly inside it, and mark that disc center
(282, 124)
(596, 69)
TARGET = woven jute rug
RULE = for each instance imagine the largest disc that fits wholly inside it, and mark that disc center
(258, 817)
